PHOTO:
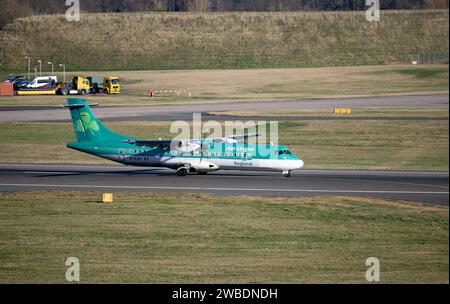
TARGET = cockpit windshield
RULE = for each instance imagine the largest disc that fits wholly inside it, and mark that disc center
(281, 152)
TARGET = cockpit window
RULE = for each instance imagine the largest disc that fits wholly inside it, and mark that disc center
(281, 152)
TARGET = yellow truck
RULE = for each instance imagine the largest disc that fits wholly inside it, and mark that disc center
(111, 85)
(78, 86)
(107, 85)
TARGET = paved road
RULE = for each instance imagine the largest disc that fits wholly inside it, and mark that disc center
(184, 112)
(427, 187)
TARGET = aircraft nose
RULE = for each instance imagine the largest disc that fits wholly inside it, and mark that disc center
(296, 164)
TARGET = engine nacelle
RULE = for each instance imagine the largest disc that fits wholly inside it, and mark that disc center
(185, 146)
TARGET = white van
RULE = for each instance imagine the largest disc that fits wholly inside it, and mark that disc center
(43, 81)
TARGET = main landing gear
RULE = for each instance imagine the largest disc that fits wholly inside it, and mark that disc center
(287, 173)
(182, 171)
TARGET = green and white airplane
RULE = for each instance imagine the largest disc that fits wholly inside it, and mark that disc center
(184, 156)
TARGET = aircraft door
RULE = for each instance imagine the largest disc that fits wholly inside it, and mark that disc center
(121, 154)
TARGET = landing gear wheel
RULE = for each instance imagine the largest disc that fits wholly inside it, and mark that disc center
(182, 172)
(287, 173)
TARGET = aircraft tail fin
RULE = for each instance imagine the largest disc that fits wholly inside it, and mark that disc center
(86, 126)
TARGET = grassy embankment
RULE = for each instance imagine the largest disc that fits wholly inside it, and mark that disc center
(187, 238)
(262, 84)
(154, 41)
(406, 145)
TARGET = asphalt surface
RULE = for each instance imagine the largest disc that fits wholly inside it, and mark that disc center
(184, 112)
(425, 187)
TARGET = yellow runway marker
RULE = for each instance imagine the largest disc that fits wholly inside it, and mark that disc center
(107, 198)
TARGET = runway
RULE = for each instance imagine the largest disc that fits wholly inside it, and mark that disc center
(425, 187)
(184, 111)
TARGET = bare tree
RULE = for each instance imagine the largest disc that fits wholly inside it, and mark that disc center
(13, 9)
(197, 5)
(9, 8)
(437, 4)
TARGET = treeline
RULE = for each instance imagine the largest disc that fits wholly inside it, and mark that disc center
(12, 9)
(51, 6)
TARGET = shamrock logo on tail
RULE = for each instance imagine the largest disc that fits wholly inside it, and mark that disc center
(88, 123)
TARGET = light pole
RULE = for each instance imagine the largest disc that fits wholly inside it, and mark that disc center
(40, 67)
(35, 72)
(64, 70)
(29, 65)
(51, 65)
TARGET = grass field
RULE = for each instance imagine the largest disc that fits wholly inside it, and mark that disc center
(209, 86)
(187, 238)
(330, 113)
(406, 145)
(154, 41)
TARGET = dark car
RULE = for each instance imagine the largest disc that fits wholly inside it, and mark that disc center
(13, 78)
(20, 83)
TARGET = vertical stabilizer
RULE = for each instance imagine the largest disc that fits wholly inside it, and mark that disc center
(87, 127)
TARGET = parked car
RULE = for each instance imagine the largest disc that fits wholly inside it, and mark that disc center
(13, 78)
(18, 82)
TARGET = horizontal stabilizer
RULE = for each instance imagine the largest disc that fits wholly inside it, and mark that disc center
(79, 105)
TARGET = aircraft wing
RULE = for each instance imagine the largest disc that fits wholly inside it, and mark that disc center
(233, 138)
(184, 146)
(244, 136)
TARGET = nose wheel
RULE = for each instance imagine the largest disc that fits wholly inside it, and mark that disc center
(287, 173)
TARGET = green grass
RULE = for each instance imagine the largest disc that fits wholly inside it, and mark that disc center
(424, 73)
(395, 145)
(375, 113)
(255, 85)
(405, 145)
(160, 41)
(197, 238)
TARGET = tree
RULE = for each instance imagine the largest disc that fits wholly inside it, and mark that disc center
(13, 9)
(437, 4)
(197, 5)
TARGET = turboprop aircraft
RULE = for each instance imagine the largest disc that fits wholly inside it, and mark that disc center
(192, 155)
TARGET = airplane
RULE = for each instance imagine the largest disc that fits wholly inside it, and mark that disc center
(200, 156)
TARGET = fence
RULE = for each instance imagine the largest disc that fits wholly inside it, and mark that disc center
(424, 58)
